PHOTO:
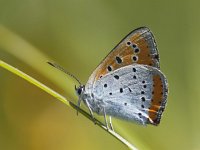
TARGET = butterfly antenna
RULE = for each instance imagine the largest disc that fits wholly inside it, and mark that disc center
(63, 70)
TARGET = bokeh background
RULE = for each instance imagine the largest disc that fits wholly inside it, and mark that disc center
(78, 34)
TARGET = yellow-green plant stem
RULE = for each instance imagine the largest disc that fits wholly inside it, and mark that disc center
(64, 100)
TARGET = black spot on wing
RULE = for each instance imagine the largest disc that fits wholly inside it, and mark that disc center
(140, 115)
(156, 56)
(119, 60)
(109, 68)
(128, 43)
(135, 58)
(143, 99)
(136, 50)
(116, 77)
(134, 70)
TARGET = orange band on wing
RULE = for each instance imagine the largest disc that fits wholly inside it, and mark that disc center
(157, 98)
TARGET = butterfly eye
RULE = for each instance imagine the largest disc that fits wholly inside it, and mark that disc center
(79, 91)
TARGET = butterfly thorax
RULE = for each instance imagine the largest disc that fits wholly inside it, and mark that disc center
(86, 95)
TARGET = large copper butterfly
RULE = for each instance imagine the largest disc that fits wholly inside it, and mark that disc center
(128, 83)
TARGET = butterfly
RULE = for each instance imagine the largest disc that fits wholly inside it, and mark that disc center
(128, 83)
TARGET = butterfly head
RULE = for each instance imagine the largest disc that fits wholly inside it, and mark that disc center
(80, 90)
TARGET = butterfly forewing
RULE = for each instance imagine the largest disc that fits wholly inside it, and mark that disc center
(137, 47)
(127, 93)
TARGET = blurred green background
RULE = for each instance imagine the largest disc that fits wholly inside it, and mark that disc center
(78, 34)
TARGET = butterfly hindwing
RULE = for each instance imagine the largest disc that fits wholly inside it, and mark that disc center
(134, 92)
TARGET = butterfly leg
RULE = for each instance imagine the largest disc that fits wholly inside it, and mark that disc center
(79, 104)
(110, 122)
(104, 114)
(90, 110)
